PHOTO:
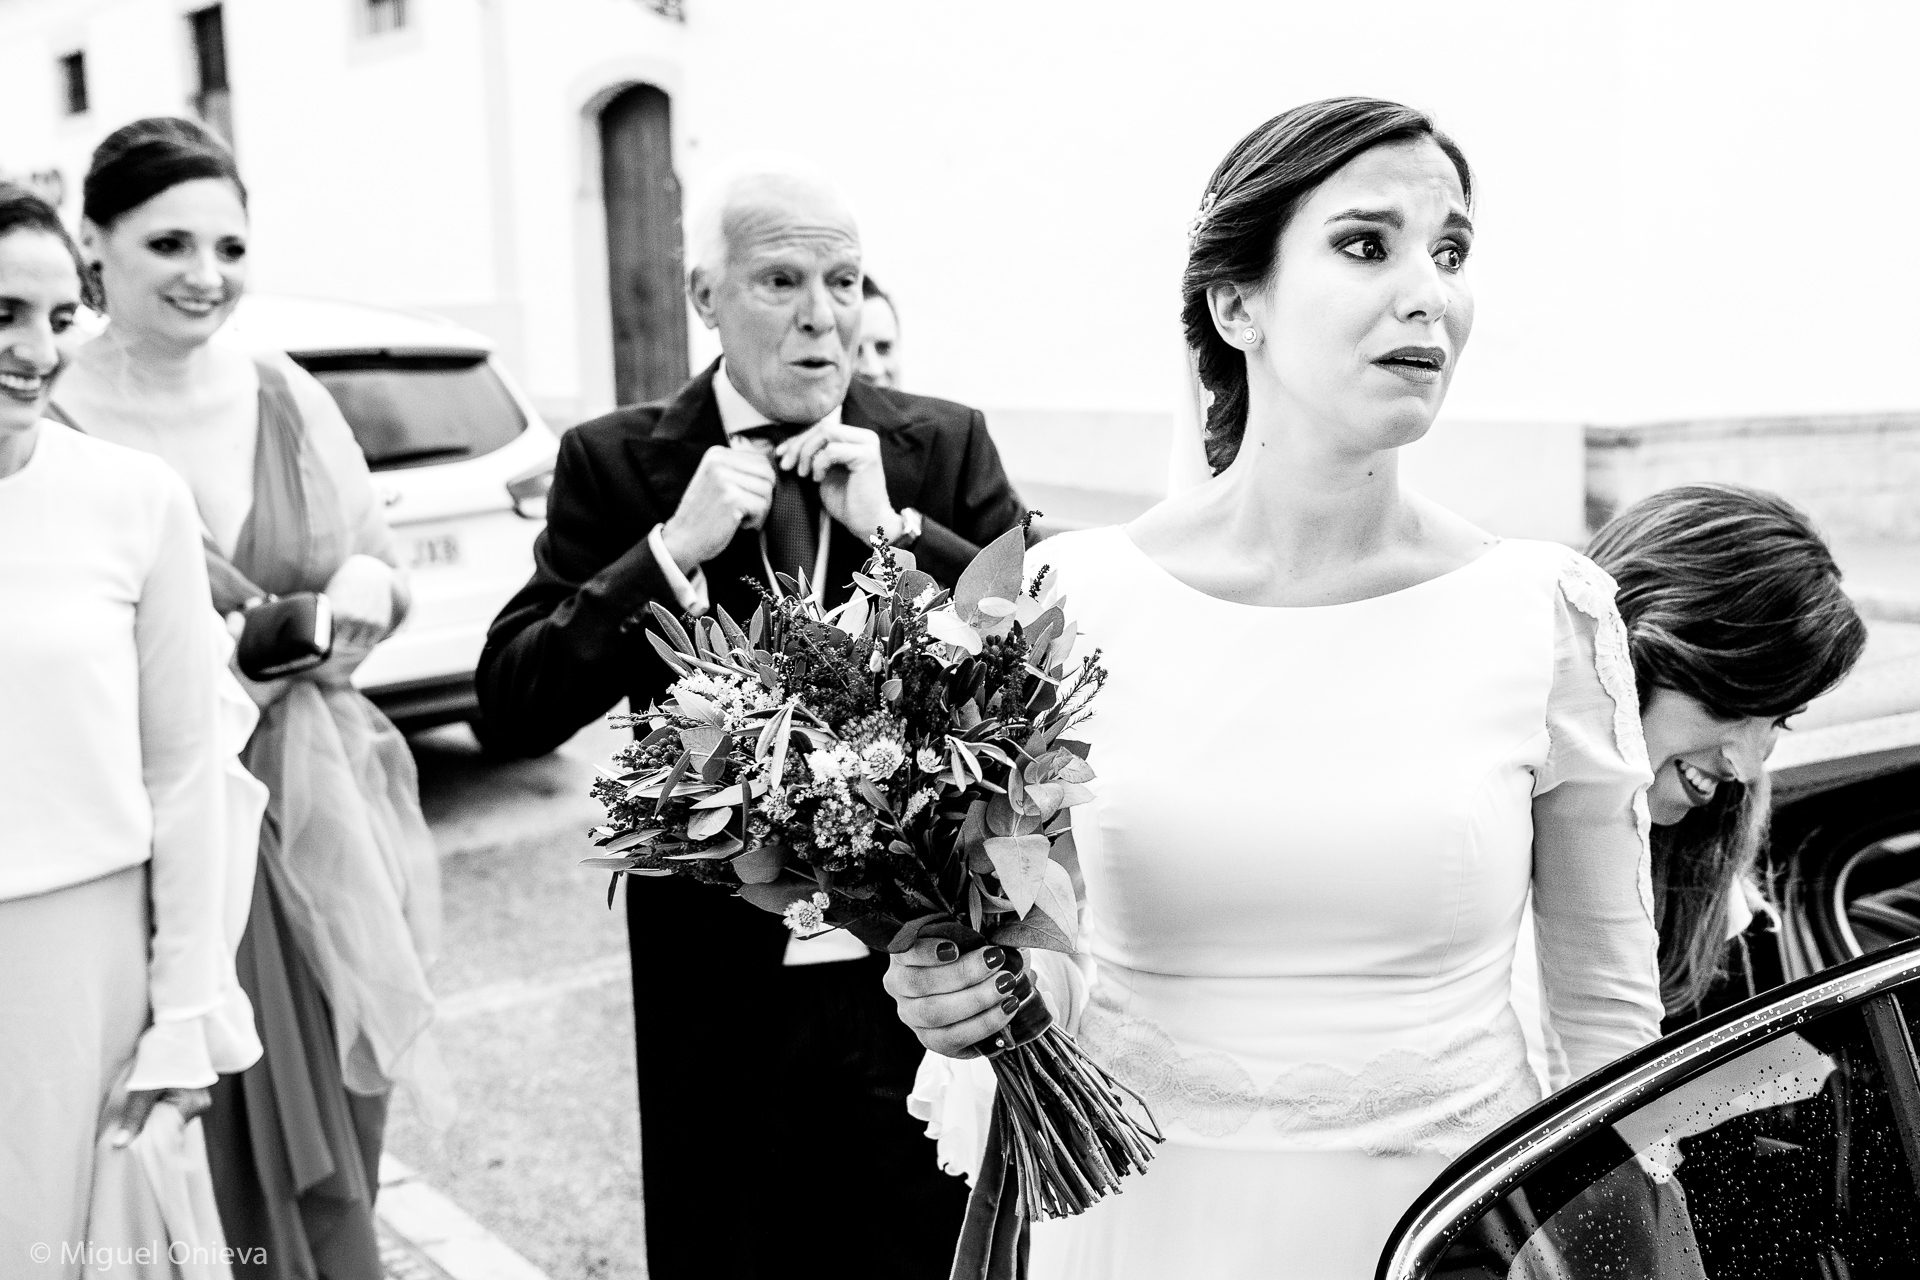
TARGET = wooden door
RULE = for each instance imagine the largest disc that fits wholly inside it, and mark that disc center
(645, 271)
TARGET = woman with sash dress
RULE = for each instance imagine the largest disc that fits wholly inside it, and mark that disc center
(346, 906)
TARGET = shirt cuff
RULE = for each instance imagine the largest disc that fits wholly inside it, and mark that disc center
(690, 592)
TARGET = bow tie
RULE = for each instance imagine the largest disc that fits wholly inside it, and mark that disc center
(774, 433)
(791, 534)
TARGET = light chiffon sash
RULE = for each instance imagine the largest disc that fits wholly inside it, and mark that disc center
(344, 844)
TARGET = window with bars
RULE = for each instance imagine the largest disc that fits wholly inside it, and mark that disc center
(382, 16)
(73, 83)
(212, 99)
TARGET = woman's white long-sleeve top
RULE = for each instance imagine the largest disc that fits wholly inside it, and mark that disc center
(112, 746)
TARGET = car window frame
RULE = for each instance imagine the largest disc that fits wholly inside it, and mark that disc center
(1495, 1166)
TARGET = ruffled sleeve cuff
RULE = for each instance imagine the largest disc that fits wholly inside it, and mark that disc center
(955, 1098)
(187, 1053)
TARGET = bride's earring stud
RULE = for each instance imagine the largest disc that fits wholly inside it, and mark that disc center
(1250, 335)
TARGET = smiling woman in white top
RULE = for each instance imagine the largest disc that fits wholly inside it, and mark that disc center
(117, 989)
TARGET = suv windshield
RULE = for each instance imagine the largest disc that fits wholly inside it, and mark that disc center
(418, 410)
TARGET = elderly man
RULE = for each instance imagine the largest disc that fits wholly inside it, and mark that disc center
(773, 1073)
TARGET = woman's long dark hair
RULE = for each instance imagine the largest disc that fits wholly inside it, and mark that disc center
(1249, 201)
(1731, 598)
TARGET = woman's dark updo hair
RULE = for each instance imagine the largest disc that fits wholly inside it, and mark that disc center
(1250, 199)
(22, 210)
(1731, 598)
(138, 161)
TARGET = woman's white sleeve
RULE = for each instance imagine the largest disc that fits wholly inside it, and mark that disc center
(1592, 882)
(190, 979)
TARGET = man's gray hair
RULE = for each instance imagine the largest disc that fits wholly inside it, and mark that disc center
(717, 192)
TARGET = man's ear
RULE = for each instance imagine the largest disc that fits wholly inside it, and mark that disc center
(92, 239)
(700, 287)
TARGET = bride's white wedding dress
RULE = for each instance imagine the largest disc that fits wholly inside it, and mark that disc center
(1314, 834)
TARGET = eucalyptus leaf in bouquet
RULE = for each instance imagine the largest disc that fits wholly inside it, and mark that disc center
(898, 767)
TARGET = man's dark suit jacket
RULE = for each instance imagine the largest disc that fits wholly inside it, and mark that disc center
(748, 1072)
(572, 642)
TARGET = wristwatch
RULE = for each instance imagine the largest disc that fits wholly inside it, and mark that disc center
(910, 528)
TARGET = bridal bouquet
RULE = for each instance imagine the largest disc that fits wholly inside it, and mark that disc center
(896, 767)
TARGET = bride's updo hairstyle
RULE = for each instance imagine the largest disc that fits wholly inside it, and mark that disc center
(137, 162)
(1731, 598)
(1249, 201)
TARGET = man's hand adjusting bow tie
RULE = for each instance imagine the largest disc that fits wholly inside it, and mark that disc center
(845, 461)
(732, 487)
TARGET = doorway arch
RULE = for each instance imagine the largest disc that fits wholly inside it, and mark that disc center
(645, 257)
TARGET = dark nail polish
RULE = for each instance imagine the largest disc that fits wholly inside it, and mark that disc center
(1010, 1004)
(995, 957)
(946, 953)
(1004, 983)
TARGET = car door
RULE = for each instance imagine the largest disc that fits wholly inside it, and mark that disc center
(1778, 1139)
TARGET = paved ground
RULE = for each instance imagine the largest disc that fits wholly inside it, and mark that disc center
(536, 1017)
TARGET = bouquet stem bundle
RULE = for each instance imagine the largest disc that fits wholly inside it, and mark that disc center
(1070, 1139)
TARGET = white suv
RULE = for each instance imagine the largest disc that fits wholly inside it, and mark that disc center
(462, 461)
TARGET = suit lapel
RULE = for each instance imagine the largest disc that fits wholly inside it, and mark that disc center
(667, 456)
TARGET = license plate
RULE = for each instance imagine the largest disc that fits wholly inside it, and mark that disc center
(437, 551)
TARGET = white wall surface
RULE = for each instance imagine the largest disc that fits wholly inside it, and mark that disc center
(1685, 209)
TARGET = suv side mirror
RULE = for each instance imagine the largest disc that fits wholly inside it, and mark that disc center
(529, 493)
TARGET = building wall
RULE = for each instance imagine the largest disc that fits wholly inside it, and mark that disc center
(1856, 475)
(1681, 208)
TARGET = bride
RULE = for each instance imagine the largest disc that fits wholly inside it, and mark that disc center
(1344, 732)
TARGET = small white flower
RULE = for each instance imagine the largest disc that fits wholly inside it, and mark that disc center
(929, 760)
(924, 600)
(824, 764)
(881, 758)
(808, 915)
(916, 803)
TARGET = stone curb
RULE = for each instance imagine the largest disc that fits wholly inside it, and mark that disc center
(437, 1229)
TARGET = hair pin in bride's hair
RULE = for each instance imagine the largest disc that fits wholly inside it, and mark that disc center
(1199, 220)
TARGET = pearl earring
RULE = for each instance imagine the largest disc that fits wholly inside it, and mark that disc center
(1250, 335)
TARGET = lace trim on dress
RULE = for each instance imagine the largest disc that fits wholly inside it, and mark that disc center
(1402, 1102)
(1590, 589)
